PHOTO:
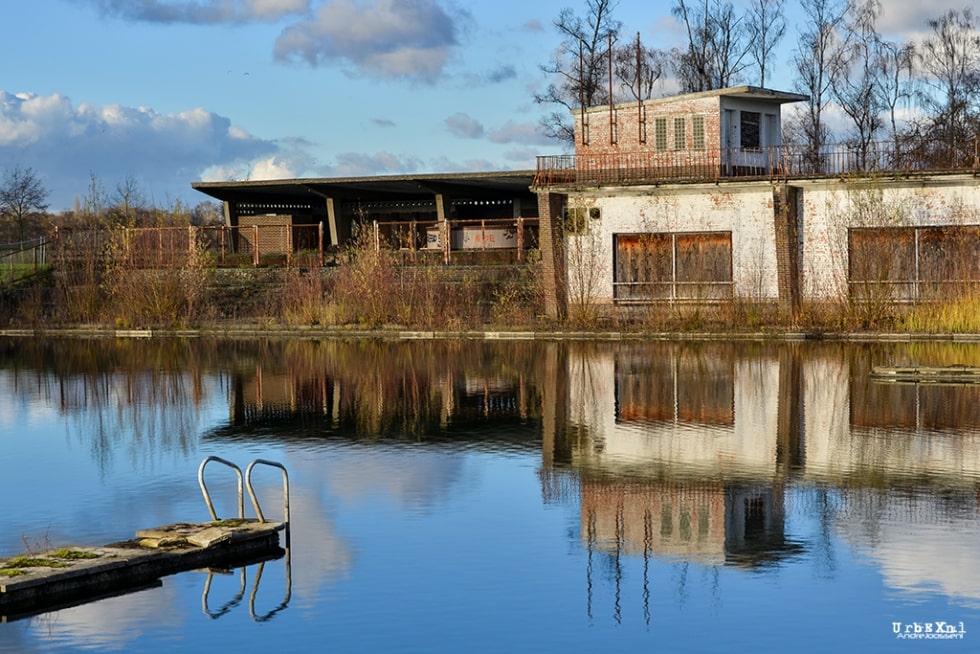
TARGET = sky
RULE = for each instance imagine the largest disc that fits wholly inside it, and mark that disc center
(169, 92)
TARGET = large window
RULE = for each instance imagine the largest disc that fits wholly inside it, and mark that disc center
(673, 266)
(913, 263)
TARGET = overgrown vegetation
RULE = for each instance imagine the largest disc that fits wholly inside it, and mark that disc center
(371, 288)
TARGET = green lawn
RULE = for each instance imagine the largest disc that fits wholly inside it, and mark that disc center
(11, 272)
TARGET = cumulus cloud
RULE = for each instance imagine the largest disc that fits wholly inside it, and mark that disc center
(905, 19)
(409, 39)
(67, 143)
(359, 164)
(199, 11)
(524, 133)
(464, 126)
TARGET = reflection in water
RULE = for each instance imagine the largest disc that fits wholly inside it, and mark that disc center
(707, 456)
(236, 600)
(687, 452)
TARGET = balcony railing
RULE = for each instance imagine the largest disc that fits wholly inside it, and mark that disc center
(774, 162)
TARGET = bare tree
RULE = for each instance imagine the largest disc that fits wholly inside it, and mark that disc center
(22, 197)
(207, 212)
(717, 45)
(766, 27)
(128, 202)
(950, 62)
(580, 67)
(894, 79)
(814, 63)
(637, 69)
(854, 76)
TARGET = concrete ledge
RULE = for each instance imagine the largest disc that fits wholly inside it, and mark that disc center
(71, 576)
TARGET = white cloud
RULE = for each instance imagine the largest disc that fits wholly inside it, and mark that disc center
(905, 19)
(65, 144)
(410, 39)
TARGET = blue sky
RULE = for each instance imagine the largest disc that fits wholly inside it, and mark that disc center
(174, 91)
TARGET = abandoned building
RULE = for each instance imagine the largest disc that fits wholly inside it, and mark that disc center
(692, 198)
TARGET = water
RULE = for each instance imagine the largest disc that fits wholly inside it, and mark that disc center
(487, 497)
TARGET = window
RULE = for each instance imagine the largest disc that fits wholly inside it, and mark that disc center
(903, 264)
(680, 133)
(750, 130)
(697, 132)
(672, 266)
(660, 133)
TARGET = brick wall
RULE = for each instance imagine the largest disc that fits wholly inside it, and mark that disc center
(632, 128)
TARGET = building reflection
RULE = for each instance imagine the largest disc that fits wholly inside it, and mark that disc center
(687, 452)
(389, 390)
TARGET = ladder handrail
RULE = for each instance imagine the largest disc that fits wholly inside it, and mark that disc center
(241, 485)
(285, 488)
(229, 605)
(255, 591)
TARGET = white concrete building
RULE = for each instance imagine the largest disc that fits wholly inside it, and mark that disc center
(695, 199)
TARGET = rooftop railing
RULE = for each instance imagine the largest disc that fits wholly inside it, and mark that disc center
(774, 162)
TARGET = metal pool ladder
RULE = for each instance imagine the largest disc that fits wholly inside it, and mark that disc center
(245, 482)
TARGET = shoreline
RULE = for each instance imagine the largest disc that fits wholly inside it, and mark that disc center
(485, 335)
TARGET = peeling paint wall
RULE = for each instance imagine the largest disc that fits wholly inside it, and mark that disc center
(827, 209)
(745, 210)
(830, 207)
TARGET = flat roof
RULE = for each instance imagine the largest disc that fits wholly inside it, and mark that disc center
(478, 186)
(745, 91)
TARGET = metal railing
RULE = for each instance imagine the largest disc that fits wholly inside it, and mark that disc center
(773, 162)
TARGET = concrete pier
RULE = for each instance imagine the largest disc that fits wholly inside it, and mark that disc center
(36, 583)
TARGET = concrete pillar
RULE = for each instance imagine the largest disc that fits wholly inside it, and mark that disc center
(443, 212)
(332, 220)
(550, 239)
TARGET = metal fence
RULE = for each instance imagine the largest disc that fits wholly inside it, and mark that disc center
(476, 241)
(774, 162)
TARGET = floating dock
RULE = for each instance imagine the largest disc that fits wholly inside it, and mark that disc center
(927, 374)
(36, 583)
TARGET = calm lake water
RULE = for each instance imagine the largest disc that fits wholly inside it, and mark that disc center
(507, 496)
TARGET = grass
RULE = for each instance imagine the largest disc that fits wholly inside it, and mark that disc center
(20, 562)
(73, 555)
(18, 565)
(10, 272)
(230, 522)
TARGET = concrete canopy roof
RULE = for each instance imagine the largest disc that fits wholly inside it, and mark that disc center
(478, 186)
